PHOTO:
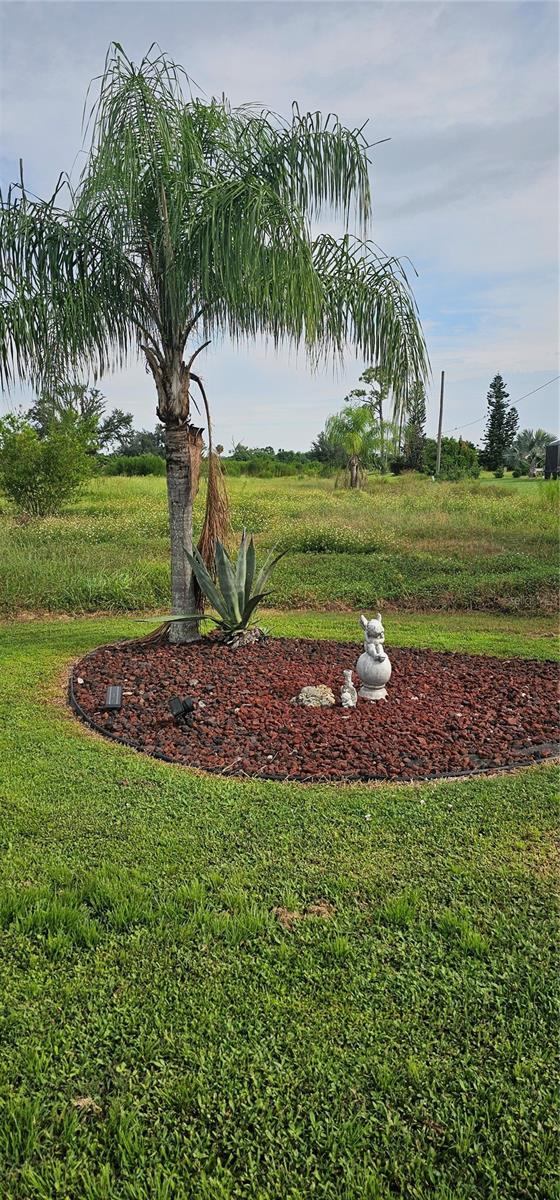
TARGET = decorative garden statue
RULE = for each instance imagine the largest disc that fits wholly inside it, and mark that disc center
(348, 693)
(373, 666)
(374, 636)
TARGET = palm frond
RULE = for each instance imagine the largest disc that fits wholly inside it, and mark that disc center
(368, 303)
(190, 212)
(67, 295)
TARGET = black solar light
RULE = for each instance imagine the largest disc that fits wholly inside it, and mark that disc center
(181, 708)
(113, 699)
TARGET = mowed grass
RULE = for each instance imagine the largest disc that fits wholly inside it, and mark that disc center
(405, 543)
(165, 1036)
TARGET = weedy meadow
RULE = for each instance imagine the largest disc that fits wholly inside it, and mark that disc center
(405, 542)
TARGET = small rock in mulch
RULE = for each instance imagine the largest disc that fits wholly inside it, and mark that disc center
(445, 714)
(315, 697)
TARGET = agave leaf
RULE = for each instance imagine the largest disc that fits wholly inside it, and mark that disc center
(252, 604)
(250, 570)
(207, 585)
(241, 571)
(226, 579)
(267, 568)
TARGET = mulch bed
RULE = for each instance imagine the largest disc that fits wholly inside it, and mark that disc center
(446, 714)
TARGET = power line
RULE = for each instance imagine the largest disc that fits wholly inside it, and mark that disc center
(479, 419)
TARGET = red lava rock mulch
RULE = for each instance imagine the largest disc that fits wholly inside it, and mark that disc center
(446, 714)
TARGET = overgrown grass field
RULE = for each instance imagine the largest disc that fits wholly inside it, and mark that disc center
(405, 543)
(224, 990)
(167, 1034)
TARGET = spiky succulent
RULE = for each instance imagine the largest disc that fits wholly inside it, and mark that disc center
(238, 590)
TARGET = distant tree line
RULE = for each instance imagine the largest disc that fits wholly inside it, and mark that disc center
(361, 437)
(67, 434)
(367, 436)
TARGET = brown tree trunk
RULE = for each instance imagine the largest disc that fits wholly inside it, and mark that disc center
(183, 450)
(354, 468)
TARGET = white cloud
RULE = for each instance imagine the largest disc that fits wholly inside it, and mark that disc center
(467, 186)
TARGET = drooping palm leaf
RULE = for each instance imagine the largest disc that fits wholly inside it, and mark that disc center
(192, 213)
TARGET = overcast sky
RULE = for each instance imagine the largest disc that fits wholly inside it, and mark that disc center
(467, 187)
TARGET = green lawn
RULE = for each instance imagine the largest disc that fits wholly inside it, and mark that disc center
(406, 543)
(165, 1037)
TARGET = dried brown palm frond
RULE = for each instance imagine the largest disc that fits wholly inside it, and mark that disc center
(216, 517)
(216, 525)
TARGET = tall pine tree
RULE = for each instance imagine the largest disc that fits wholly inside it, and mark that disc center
(501, 426)
(414, 434)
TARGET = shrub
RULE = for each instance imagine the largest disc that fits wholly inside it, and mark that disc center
(135, 464)
(459, 459)
(40, 474)
(499, 473)
(270, 468)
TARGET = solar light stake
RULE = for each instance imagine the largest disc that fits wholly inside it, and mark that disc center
(113, 699)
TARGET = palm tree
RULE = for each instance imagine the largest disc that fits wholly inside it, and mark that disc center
(356, 432)
(529, 449)
(192, 219)
(379, 384)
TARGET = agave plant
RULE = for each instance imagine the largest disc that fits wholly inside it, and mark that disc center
(236, 593)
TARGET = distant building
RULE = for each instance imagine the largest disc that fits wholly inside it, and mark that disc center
(552, 460)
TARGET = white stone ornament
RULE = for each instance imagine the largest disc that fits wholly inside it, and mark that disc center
(348, 693)
(373, 666)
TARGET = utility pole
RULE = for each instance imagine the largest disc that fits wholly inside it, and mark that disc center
(438, 455)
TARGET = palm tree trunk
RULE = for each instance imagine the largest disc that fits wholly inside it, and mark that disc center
(183, 450)
(354, 468)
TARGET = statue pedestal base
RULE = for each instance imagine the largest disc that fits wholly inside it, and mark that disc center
(373, 673)
(373, 693)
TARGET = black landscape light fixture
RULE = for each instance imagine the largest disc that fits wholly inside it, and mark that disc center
(113, 698)
(181, 708)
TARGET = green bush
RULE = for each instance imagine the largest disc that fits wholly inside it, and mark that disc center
(499, 473)
(234, 467)
(270, 468)
(40, 474)
(135, 464)
(459, 459)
